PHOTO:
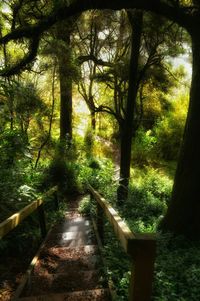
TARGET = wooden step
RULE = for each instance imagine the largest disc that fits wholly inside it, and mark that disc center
(58, 260)
(72, 233)
(71, 280)
(71, 239)
(71, 225)
(88, 295)
(65, 253)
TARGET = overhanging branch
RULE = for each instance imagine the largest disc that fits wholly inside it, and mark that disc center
(28, 58)
(84, 58)
(180, 15)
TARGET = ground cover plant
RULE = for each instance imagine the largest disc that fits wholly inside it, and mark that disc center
(177, 260)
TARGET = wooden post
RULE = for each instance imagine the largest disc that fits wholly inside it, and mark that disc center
(142, 270)
(100, 222)
(42, 221)
(56, 202)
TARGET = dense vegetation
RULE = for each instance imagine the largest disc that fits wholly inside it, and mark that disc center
(104, 102)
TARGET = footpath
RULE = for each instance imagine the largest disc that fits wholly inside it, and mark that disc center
(68, 267)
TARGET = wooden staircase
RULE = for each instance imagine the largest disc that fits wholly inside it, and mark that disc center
(68, 265)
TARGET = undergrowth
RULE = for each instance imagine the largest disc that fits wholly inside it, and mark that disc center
(176, 276)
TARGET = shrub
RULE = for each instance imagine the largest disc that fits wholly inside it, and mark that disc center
(62, 173)
(169, 134)
(89, 142)
(13, 147)
(143, 145)
(98, 173)
(169, 129)
(147, 202)
(87, 206)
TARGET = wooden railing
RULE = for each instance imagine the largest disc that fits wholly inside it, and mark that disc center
(13, 221)
(140, 247)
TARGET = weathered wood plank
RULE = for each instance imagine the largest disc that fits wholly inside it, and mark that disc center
(122, 231)
(14, 220)
(142, 270)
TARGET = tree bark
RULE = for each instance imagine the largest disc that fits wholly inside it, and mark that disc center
(136, 20)
(64, 62)
(93, 120)
(184, 210)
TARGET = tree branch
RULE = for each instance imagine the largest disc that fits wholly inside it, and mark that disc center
(180, 15)
(84, 58)
(28, 58)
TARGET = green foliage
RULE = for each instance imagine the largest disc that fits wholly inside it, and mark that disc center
(63, 173)
(13, 147)
(84, 205)
(163, 140)
(177, 270)
(89, 142)
(16, 191)
(118, 264)
(98, 173)
(169, 130)
(142, 146)
(177, 263)
(149, 195)
(87, 206)
(169, 134)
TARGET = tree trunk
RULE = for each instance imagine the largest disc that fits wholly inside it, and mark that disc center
(93, 120)
(136, 19)
(184, 210)
(65, 74)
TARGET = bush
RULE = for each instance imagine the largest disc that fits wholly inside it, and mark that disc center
(62, 173)
(169, 134)
(147, 201)
(89, 142)
(13, 147)
(142, 146)
(87, 206)
(98, 173)
(169, 129)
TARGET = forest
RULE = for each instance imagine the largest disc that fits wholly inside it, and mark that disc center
(106, 94)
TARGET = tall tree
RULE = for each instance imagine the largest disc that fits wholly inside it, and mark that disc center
(135, 19)
(63, 34)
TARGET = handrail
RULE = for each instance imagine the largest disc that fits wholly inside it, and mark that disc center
(122, 231)
(13, 221)
(140, 247)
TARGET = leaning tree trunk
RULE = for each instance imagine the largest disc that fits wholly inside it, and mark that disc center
(183, 215)
(135, 19)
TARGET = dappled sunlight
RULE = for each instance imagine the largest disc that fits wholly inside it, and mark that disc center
(81, 116)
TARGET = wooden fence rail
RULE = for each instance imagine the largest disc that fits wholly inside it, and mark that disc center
(140, 247)
(13, 221)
